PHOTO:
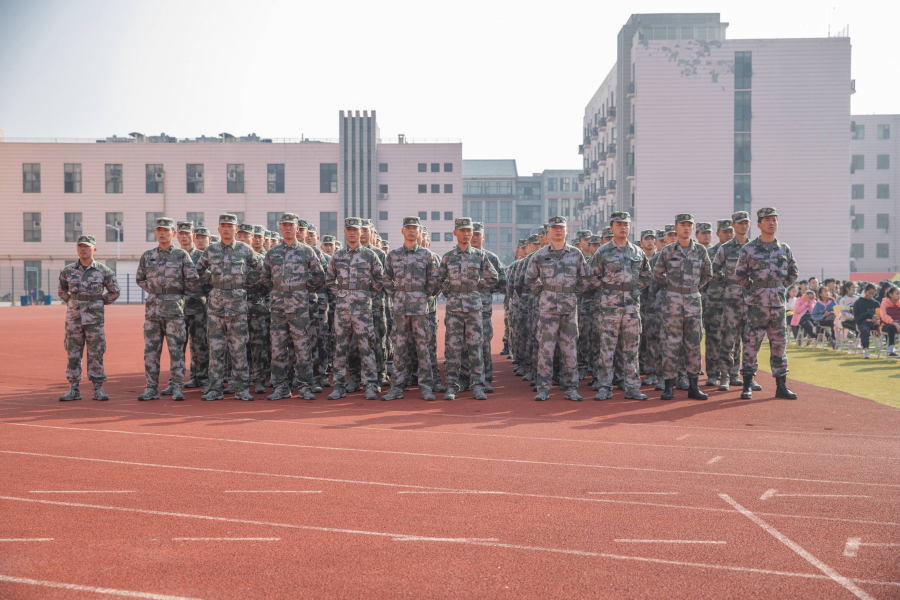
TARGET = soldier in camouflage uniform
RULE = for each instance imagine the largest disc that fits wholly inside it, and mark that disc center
(681, 271)
(409, 280)
(167, 274)
(766, 267)
(201, 239)
(714, 310)
(664, 237)
(581, 240)
(703, 235)
(379, 319)
(646, 358)
(318, 318)
(557, 274)
(619, 271)
(526, 325)
(355, 275)
(432, 316)
(328, 248)
(464, 273)
(224, 266)
(258, 320)
(81, 287)
(194, 310)
(512, 316)
(487, 304)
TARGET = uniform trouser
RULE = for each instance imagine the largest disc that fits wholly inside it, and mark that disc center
(506, 322)
(432, 347)
(356, 329)
(734, 319)
(535, 345)
(78, 337)
(585, 333)
(681, 345)
(621, 327)
(379, 329)
(553, 329)
(258, 346)
(713, 324)
(522, 331)
(330, 337)
(195, 326)
(487, 327)
(762, 321)
(175, 333)
(463, 330)
(411, 338)
(229, 333)
(290, 349)
(648, 358)
(320, 369)
(389, 335)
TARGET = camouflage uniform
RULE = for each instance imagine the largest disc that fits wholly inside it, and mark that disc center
(167, 276)
(734, 308)
(433, 326)
(259, 325)
(463, 275)
(195, 324)
(81, 288)
(646, 357)
(619, 274)
(224, 267)
(487, 309)
(557, 277)
(318, 323)
(527, 325)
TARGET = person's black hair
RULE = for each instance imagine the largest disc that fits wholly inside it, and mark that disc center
(869, 286)
(845, 288)
(827, 281)
(891, 290)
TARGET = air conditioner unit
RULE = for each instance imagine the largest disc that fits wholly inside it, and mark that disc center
(36, 224)
(119, 224)
(382, 196)
(78, 224)
(158, 176)
(199, 175)
(271, 177)
(200, 223)
(232, 175)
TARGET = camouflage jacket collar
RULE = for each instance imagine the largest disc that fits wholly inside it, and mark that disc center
(470, 249)
(232, 245)
(294, 244)
(169, 250)
(94, 265)
(694, 245)
(759, 243)
(412, 250)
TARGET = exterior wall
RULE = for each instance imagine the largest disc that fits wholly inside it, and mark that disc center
(867, 233)
(573, 196)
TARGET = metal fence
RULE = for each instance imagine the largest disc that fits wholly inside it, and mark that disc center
(33, 287)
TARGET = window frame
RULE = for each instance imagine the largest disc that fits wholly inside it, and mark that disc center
(154, 185)
(31, 233)
(31, 178)
(72, 178)
(275, 185)
(116, 235)
(194, 177)
(236, 184)
(72, 226)
(114, 178)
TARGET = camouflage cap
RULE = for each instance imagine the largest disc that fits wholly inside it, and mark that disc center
(522, 243)
(86, 240)
(327, 239)
(606, 232)
(368, 223)
(245, 228)
(661, 234)
(313, 228)
(477, 227)
(288, 218)
(740, 216)
(412, 222)
(215, 238)
(533, 239)
(556, 221)
(201, 231)
(620, 217)
(766, 212)
(723, 225)
(276, 235)
(259, 230)
(648, 233)
(165, 223)
(704, 227)
(669, 229)
(185, 226)
(351, 222)
(463, 223)
(270, 235)
(595, 239)
(585, 233)
(684, 218)
(303, 224)
(227, 219)
(576, 237)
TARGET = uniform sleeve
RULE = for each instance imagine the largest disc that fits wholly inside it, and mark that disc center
(705, 269)
(265, 280)
(431, 282)
(331, 276)
(595, 271)
(659, 271)
(389, 287)
(644, 276)
(489, 274)
(140, 278)
(203, 268)
(63, 288)
(581, 274)
(189, 272)
(112, 287)
(316, 272)
(444, 276)
(718, 266)
(533, 277)
(793, 271)
(377, 275)
(500, 288)
(742, 270)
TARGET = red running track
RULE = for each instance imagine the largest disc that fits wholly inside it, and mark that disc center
(501, 498)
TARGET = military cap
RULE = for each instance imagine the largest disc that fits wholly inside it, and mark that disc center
(86, 240)
(166, 223)
(328, 239)
(555, 221)
(227, 218)
(215, 238)
(245, 228)
(584, 233)
(412, 222)
(704, 227)
(576, 237)
(606, 232)
(723, 225)
(463, 223)
(313, 228)
(259, 230)
(270, 235)
(185, 226)
(620, 217)
(648, 233)
(276, 235)
(522, 243)
(766, 212)
(303, 224)
(533, 239)
(684, 218)
(368, 223)
(477, 227)
(288, 218)
(740, 216)
(201, 231)
(595, 239)
(338, 244)
(669, 229)
(353, 222)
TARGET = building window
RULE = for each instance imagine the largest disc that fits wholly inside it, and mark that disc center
(31, 178)
(423, 167)
(435, 215)
(565, 206)
(490, 211)
(328, 178)
(435, 167)
(238, 214)
(857, 191)
(382, 167)
(882, 221)
(506, 212)
(435, 188)
(742, 153)
(114, 232)
(448, 237)
(884, 161)
(382, 188)
(743, 70)
(857, 251)
(423, 188)
(528, 214)
(275, 179)
(448, 215)
(384, 236)
(882, 251)
(113, 179)
(858, 223)
(472, 187)
(551, 184)
(73, 226)
(435, 237)
(448, 188)
(859, 133)
(382, 215)
(154, 179)
(491, 188)
(31, 225)
(883, 191)
(742, 111)
(884, 132)
(151, 225)
(195, 179)
(235, 179)
(448, 167)
(742, 195)
(328, 223)
(490, 237)
(564, 184)
(272, 219)
(506, 237)
(72, 178)
(857, 162)
(474, 211)
(197, 218)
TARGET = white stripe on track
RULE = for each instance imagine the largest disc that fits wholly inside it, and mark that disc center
(714, 460)
(273, 491)
(424, 487)
(673, 541)
(86, 588)
(82, 492)
(464, 541)
(225, 539)
(26, 539)
(831, 573)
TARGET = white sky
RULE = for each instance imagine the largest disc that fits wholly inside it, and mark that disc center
(510, 79)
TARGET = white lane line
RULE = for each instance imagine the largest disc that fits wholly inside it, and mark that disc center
(464, 541)
(82, 492)
(854, 543)
(684, 437)
(424, 487)
(714, 459)
(273, 491)
(674, 541)
(831, 573)
(225, 539)
(86, 588)
(634, 493)
(768, 494)
(454, 492)
(26, 539)
(773, 493)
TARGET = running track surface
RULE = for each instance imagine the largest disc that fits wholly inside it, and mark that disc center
(502, 498)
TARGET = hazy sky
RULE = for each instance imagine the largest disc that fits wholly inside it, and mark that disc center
(509, 79)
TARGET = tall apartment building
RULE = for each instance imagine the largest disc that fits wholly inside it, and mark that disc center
(874, 190)
(115, 188)
(689, 121)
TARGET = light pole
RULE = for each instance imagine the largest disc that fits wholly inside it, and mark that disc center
(118, 240)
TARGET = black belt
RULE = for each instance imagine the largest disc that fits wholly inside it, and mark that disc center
(558, 288)
(412, 287)
(464, 288)
(167, 290)
(228, 286)
(362, 285)
(767, 283)
(623, 287)
(86, 297)
(682, 290)
(293, 287)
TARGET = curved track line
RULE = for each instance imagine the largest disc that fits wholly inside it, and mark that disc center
(86, 588)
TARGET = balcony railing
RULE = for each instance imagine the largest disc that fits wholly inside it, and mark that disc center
(611, 113)
(602, 191)
(593, 165)
(602, 123)
(612, 184)
(631, 129)
(580, 148)
(603, 157)
(594, 132)
(631, 88)
(611, 150)
(580, 177)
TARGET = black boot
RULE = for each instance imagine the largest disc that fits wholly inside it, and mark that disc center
(747, 393)
(781, 389)
(669, 391)
(694, 390)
